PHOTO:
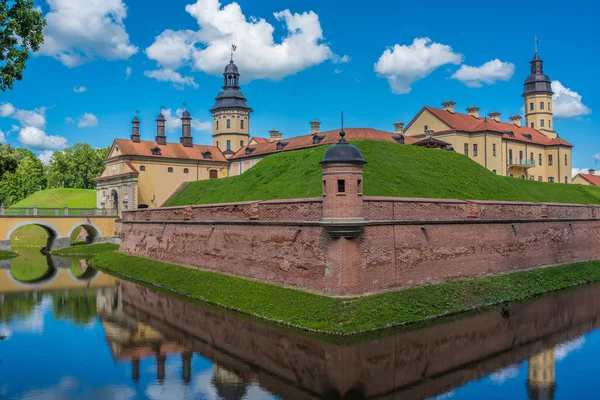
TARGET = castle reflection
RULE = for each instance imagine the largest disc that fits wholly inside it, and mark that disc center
(419, 364)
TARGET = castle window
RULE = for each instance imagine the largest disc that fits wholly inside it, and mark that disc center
(551, 179)
(494, 149)
(228, 123)
(170, 170)
(324, 186)
(542, 122)
(425, 128)
(549, 106)
(217, 125)
(532, 178)
(467, 149)
(475, 150)
(566, 160)
(566, 179)
(540, 178)
(520, 155)
(359, 185)
(229, 145)
(532, 125)
(531, 157)
(510, 154)
(241, 124)
(540, 159)
(541, 105)
(530, 106)
(494, 171)
(142, 168)
(341, 186)
(549, 159)
(241, 143)
(186, 171)
(549, 123)
(213, 174)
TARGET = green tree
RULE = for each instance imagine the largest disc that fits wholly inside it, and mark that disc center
(21, 28)
(27, 179)
(76, 167)
(8, 160)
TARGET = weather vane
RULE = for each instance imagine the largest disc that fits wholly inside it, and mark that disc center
(537, 41)
(233, 49)
(162, 108)
(342, 133)
(137, 111)
(185, 104)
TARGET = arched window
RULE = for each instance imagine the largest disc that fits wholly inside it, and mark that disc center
(142, 167)
(170, 169)
(186, 171)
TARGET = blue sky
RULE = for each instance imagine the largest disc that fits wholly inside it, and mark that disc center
(299, 60)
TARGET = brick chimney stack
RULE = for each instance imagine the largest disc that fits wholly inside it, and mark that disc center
(449, 105)
(515, 119)
(495, 115)
(186, 130)
(315, 127)
(399, 127)
(473, 111)
(135, 130)
(275, 135)
(160, 130)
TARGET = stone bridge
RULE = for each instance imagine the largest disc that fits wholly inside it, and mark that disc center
(59, 223)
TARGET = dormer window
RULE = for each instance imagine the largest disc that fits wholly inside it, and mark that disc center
(509, 133)
(527, 136)
(318, 139)
(116, 149)
(155, 151)
(398, 138)
(207, 155)
(281, 145)
(249, 150)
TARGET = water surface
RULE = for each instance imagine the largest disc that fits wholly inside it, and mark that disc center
(70, 332)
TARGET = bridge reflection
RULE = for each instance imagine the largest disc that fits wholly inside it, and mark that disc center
(417, 364)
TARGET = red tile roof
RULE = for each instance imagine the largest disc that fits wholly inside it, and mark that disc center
(468, 123)
(259, 139)
(301, 142)
(593, 179)
(170, 150)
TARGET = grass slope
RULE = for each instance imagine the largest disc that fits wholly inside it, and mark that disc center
(324, 314)
(5, 255)
(50, 198)
(392, 170)
(86, 250)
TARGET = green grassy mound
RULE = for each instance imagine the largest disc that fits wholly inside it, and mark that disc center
(50, 198)
(85, 250)
(352, 315)
(392, 170)
(5, 255)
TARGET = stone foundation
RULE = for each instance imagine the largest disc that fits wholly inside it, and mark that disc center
(404, 242)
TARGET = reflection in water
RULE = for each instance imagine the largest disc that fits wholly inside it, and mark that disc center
(96, 337)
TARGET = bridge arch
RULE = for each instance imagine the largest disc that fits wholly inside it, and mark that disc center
(54, 236)
(92, 230)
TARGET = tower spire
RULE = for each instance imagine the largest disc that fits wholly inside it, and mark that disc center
(233, 49)
(537, 42)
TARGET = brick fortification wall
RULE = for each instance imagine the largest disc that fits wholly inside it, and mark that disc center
(404, 242)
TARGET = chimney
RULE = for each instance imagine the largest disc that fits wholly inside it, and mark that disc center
(399, 127)
(592, 172)
(275, 135)
(186, 130)
(160, 130)
(495, 115)
(515, 119)
(473, 111)
(135, 130)
(449, 105)
(315, 126)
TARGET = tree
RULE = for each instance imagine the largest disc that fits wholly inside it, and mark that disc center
(8, 159)
(76, 167)
(21, 28)
(27, 179)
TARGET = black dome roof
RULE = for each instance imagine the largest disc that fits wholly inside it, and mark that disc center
(186, 114)
(343, 152)
(231, 68)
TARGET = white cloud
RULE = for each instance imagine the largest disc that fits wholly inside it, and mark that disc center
(77, 34)
(127, 72)
(37, 139)
(87, 120)
(168, 75)
(2, 138)
(402, 65)
(563, 350)
(79, 89)
(174, 121)
(345, 59)
(35, 118)
(45, 156)
(596, 157)
(567, 103)
(337, 71)
(258, 55)
(504, 374)
(14, 128)
(576, 171)
(489, 73)
(69, 120)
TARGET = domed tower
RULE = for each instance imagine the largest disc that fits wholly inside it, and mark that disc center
(538, 98)
(343, 189)
(541, 382)
(231, 114)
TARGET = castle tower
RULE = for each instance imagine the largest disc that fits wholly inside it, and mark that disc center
(186, 130)
(161, 138)
(135, 130)
(343, 189)
(538, 98)
(541, 382)
(231, 114)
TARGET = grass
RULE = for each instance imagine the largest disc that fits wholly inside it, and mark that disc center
(347, 316)
(5, 255)
(28, 266)
(87, 250)
(50, 198)
(392, 170)
(35, 236)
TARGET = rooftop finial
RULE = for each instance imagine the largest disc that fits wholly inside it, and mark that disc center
(537, 41)
(233, 49)
(185, 105)
(342, 133)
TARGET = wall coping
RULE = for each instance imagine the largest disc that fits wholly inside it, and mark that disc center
(413, 200)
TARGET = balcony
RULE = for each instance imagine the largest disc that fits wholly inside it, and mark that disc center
(521, 162)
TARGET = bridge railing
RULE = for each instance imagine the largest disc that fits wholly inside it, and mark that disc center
(58, 212)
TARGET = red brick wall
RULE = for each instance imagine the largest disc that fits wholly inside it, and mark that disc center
(348, 204)
(405, 242)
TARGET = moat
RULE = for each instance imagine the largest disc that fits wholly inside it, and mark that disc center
(70, 332)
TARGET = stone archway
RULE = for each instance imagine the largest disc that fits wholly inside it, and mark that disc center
(114, 199)
(54, 242)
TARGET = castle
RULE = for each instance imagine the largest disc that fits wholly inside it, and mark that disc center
(145, 174)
